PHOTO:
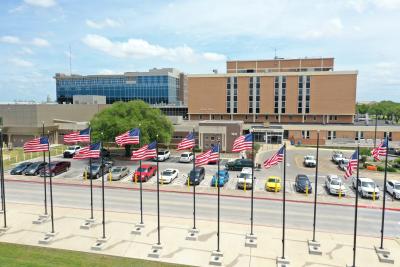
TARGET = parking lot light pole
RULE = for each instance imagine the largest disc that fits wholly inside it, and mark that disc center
(316, 188)
(3, 191)
(51, 185)
(44, 175)
(384, 190)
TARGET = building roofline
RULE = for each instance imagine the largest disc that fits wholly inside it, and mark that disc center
(281, 59)
(316, 73)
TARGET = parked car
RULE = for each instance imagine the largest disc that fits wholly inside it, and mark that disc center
(393, 151)
(119, 172)
(393, 188)
(245, 178)
(20, 168)
(105, 153)
(70, 151)
(273, 184)
(35, 168)
(223, 178)
(334, 185)
(186, 157)
(145, 172)
(196, 176)
(106, 160)
(163, 155)
(55, 168)
(168, 175)
(366, 187)
(302, 182)
(96, 171)
(309, 161)
(238, 164)
(337, 157)
(343, 164)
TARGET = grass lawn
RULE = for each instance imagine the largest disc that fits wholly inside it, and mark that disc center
(13, 255)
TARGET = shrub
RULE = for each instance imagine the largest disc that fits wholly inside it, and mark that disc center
(364, 158)
(391, 169)
(380, 168)
(365, 151)
(397, 160)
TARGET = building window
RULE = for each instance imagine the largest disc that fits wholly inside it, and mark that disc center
(212, 138)
(305, 134)
(251, 89)
(254, 94)
(228, 95)
(300, 95)
(308, 84)
(331, 135)
(266, 117)
(389, 137)
(359, 135)
(283, 94)
(315, 118)
(235, 95)
(276, 95)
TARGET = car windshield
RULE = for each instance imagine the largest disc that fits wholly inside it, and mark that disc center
(162, 152)
(22, 165)
(185, 155)
(33, 165)
(368, 184)
(167, 172)
(142, 169)
(95, 167)
(309, 157)
(397, 186)
(245, 175)
(273, 180)
(336, 182)
(302, 178)
(71, 148)
(117, 169)
(197, 173)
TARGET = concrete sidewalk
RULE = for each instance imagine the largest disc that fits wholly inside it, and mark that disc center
(336, 248)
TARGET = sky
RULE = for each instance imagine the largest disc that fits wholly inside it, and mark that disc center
(106, 37)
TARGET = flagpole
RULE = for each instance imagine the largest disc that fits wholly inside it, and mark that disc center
(3, 191)
(51, 186)
(316, 188)
(252, 182)
(356, 208)
(218, 228)
(194, 183)
(384, 191)
(158, 196)
(284, 202)
(102, 188)
(90, 176)
(44, 175)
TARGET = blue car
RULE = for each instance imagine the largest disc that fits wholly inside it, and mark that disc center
(223, 178)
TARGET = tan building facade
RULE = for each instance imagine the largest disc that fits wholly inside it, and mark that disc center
(275, 91)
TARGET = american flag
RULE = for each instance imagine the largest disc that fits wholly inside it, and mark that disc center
(203, 159)
(242, 143)
(145, 152)
(187, 143)
(214, 156)
(381, 150)
(275, 159)
(91, 151)
(353, 162)
(37, 145)
(80, 136)
(129, 138)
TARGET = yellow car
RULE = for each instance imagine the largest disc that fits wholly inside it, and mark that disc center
(273, 184)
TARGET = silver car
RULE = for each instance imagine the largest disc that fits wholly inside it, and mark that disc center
(119, 172)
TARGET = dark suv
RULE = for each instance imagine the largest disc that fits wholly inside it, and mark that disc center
(302, 182)
(197, 176)
(55, 168)
(238, 164)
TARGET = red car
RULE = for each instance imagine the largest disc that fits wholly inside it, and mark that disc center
(145, 173)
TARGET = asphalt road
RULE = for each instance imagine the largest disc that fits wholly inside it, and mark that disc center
(331, 218)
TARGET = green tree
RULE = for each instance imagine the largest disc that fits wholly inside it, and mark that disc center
(123, 116)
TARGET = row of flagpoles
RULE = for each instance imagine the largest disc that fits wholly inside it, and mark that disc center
(149, 151)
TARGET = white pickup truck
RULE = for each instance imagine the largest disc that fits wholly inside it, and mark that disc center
(309, 161)
(70, 151)
(245, 178)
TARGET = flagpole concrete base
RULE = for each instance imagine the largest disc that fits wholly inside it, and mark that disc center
(1, 211)
(3, 230)
(88, 223)
(217, 258)
(250, 241)
(314, 248)
(280, 262)
(48, 238)
(155, 251)
(100, 244)
(138, 229)
(192, 234)
(41, 219)
(384, 255)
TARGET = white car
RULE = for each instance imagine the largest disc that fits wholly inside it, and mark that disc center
(309, 161)
(337, 157)
(186, 157)
(335, 185)
(245, 178)
(343, 164)
(168, 175)
(366, 187)
(70, 151)
(393, 188)
(163, 155)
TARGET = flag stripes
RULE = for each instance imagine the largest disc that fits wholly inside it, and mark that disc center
(381, 150)
(187, 143)
(146, 152)
(243, 142)
(80, 136)
(351, 165)
(275, 159)
(37, 145)
(128, 138)
(91, 151)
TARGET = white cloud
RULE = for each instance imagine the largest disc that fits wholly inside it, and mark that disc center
(10, 39)
(103, 24)
(387, 4)
(26, 50)
(214, 56)
(20, 62)
(332, 28)
(41, 3)
(40, 42)
(139, 48)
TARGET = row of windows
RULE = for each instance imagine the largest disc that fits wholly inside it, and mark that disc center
(280, 94)
(254, 95)
(114, 80)
(231, 95)
(304, 84)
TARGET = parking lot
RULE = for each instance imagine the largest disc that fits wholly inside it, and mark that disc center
(294, 166)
